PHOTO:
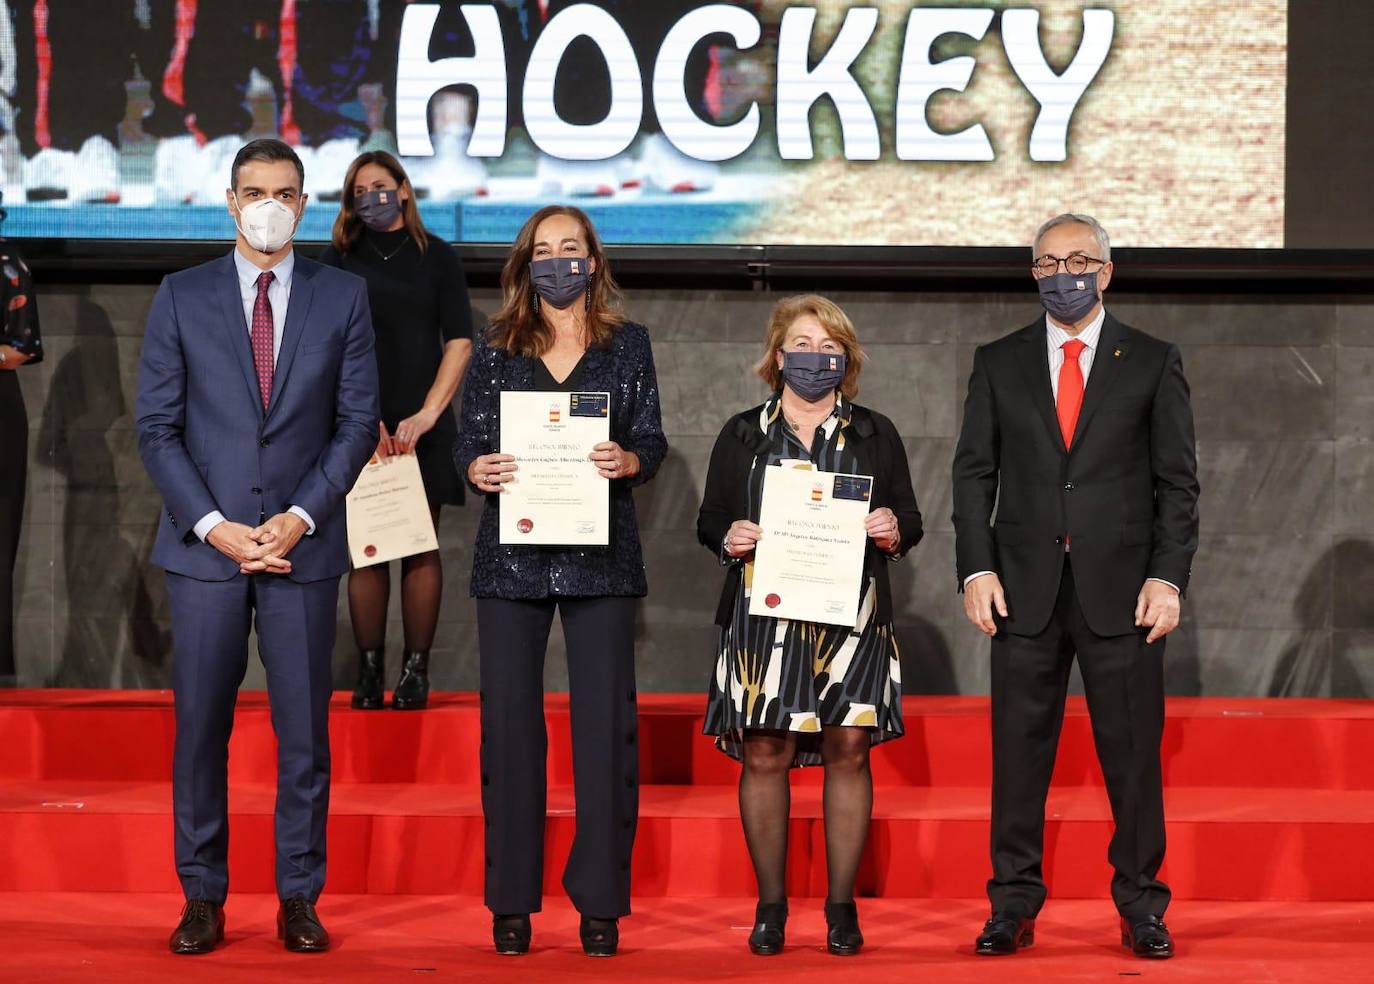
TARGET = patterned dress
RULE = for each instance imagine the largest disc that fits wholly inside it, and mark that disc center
(786, 675)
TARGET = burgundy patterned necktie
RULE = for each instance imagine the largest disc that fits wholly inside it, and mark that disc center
(261, 336)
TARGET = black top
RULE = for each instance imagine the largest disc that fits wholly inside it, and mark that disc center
(419, 303)
(625, 369)
(1126, 494)
(871, 446)
(543, 378)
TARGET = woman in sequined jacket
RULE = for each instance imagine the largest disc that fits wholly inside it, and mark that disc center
(559, 329)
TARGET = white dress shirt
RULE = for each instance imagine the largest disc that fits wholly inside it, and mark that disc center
(1055, 337)
(278, 296)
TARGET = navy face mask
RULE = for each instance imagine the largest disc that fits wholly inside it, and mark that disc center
(813, 375)
(1068, 297)
(379, 210)
(560, 280)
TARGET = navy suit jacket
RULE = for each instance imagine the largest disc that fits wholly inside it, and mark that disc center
(202, 431)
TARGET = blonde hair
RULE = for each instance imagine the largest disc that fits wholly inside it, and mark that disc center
(836, 324)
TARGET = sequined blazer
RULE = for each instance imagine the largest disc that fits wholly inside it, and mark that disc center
(625, 369)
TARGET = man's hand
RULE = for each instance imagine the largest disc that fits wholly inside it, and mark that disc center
(882, 528)
(981, 596)
(236, 542)
(1158, 609)
(613, 461)
(275, 539)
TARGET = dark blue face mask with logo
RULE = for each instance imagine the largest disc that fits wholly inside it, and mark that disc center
(1068, 297)
(560, 280)
(813, 375)
(379, 210)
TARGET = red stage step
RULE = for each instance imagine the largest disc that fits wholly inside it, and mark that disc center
(1266, 800)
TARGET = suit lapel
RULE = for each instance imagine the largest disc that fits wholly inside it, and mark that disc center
(1035, 367)
(1111, 353)
(231, 306)
(297, 309)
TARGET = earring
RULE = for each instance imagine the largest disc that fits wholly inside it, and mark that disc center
(534, 301)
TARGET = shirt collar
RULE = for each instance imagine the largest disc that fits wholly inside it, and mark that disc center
(1056, 336)
(248, 273)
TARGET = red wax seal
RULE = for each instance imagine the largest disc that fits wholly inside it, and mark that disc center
(524, 526)
(369, 551)
(772, 601)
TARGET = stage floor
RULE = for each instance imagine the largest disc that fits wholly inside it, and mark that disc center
(113, 938)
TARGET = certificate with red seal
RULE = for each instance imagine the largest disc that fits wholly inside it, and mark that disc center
(809, 563)
(557, 497)
(388, 515)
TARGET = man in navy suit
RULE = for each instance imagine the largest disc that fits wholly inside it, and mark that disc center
(257, 409)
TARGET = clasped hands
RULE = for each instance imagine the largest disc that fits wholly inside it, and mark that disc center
(1157, 607)
(491, 471)
(262, 549)
(881, 526)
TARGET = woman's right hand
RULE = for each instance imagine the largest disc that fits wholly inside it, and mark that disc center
(491, 471)
(385, 449)
(741, 538)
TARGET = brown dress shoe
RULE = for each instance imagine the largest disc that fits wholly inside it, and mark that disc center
(299, 927)
(201, 927)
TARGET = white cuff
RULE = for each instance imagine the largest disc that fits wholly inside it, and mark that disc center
(309, 523)
(979, 574)
(1169, 583)
(208, 523)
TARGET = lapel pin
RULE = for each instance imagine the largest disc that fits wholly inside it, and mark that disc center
(1116, 353)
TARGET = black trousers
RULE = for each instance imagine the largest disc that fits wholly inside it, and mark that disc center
(14, 425)
(1123, 680)
(512, 637)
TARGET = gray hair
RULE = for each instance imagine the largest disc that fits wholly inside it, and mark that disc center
(1104, 243)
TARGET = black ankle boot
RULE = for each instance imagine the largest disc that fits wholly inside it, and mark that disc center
(770, 929)
(368, 694)
(511, 934)
(412, 690)
(600, 937)
(842, 929)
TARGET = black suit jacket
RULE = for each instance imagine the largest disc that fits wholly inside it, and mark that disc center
(1126, 493)
(880, 453)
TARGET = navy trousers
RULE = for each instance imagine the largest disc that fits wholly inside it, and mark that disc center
(296, 625)
(512, 636)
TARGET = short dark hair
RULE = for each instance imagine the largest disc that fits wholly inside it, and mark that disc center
(267, 149)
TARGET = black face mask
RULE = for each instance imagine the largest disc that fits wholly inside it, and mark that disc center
(1068, 297)
(813, 375)
(379, 210)
(560, 280)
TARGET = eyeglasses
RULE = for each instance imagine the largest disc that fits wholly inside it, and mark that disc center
(1074, 263)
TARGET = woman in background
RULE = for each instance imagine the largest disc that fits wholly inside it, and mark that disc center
(423, 321)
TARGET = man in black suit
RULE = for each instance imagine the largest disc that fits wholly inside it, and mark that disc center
(1079, 431)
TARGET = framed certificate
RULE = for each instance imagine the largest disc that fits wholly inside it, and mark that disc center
(809, 563)
(388, 515)
(557, 497)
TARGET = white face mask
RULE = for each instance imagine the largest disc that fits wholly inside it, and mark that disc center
(268, 225)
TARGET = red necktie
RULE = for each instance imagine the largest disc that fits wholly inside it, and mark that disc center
(261, 337)
(1070, 389)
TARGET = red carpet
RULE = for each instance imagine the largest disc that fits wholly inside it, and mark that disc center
(1267, 800)
(121, 938)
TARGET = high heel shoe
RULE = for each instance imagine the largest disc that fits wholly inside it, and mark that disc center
(770, 929)
(511, 934)
(600, 937)
(368, 695)
(412, 690)
(842, 929)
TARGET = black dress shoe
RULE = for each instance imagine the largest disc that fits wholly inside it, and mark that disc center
(412, 690)
(842, 936)
(1148, 937)
(770, 929)
(201, 927)
(299, 927)
(600, 937)
(1004, 934)
(511, 934)
(368, 694)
